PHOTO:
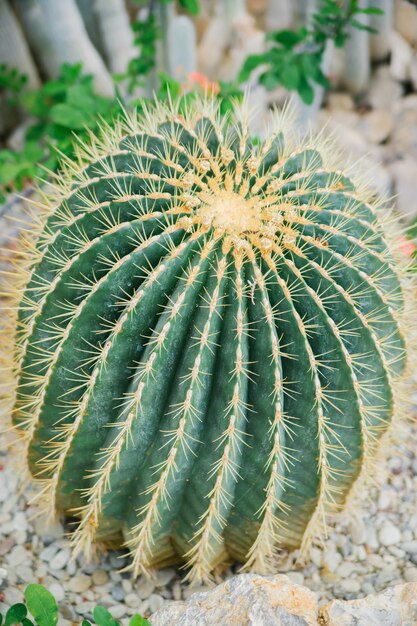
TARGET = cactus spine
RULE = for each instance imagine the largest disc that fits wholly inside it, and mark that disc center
(208, 341)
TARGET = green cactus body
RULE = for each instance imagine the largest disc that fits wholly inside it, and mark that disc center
(208, 342)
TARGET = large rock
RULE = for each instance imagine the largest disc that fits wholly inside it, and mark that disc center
(245, 600)
(396, 606)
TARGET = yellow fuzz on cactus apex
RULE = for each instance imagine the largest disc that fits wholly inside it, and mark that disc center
(210, 339)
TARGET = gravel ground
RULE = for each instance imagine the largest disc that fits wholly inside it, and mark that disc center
(362, 555)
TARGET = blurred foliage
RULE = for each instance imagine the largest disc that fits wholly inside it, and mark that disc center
(70, 104)
(43, 608)
(294, 58)
(55, 112)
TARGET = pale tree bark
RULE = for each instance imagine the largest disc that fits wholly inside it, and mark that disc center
(115, 33)
(14, 50)
(57, 35)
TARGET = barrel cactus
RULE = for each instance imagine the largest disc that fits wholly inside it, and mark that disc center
(208, 340)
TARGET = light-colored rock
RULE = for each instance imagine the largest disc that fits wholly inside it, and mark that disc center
(401, 56)
(357, 530)
(60, 559)
(100, 577)
(79, 583)
(405, 20)
(384, 90)
(340, 101)
(404, 175)
(410, 574)
(376, 125)
(396, 606)
(389, 534)
(246, 599)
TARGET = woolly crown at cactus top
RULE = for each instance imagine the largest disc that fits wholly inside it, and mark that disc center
(210, 340)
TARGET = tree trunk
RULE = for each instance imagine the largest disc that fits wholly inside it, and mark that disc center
(57, 35)
(14, 51)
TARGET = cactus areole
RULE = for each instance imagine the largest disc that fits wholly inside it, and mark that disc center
(208, 341)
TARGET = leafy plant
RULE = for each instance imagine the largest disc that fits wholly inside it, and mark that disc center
(58, 109)
(210, 338)
(294, 58)
(43, 608)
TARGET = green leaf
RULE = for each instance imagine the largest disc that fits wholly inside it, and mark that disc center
(305, 90)
(290, 75)
(191, 6)
(252, 62)
(42, 605)
(365, 27)
(69, 116)
(138, 620)
(371, 11)
(103, 617)
(27, 622)
(15, 614)
(288, 38)
(85, 622)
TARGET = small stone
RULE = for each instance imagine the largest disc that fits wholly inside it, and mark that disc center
(410, 574)
(6, 545)
(176, 591)
(118, 593)
(57, 591)
(376, 125)
(401, 56)
(389, 535)
(404, 174)
(346, 569)
(117, 610)
(48, 553)
(24, 573)
(340, 101)
(145, 588)
(132, 600)
(79, 583)
(60, 559)
(350, 585)
(296, 577)
(409, 546)
(406, 21)
(164, 576)
(384, 90)
(68, 611)
(357, 531)
(331, 560)
(99, 577)
(17, 556)
(156, 602)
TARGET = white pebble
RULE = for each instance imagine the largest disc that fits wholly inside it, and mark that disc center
(145, 588)
(117, 611)
(99, 577)
(389, 534)
(57, 590)
(60, 559)
(296, 577)
(409, 546)
(132, 600)
(155, 602)
(48, 553)
(79, 583)
(17, 556)
(410, 574)
(331, 560)
(346, 569)
(357, 531)
(350, 585)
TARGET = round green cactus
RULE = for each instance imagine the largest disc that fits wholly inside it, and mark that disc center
(208, 341)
